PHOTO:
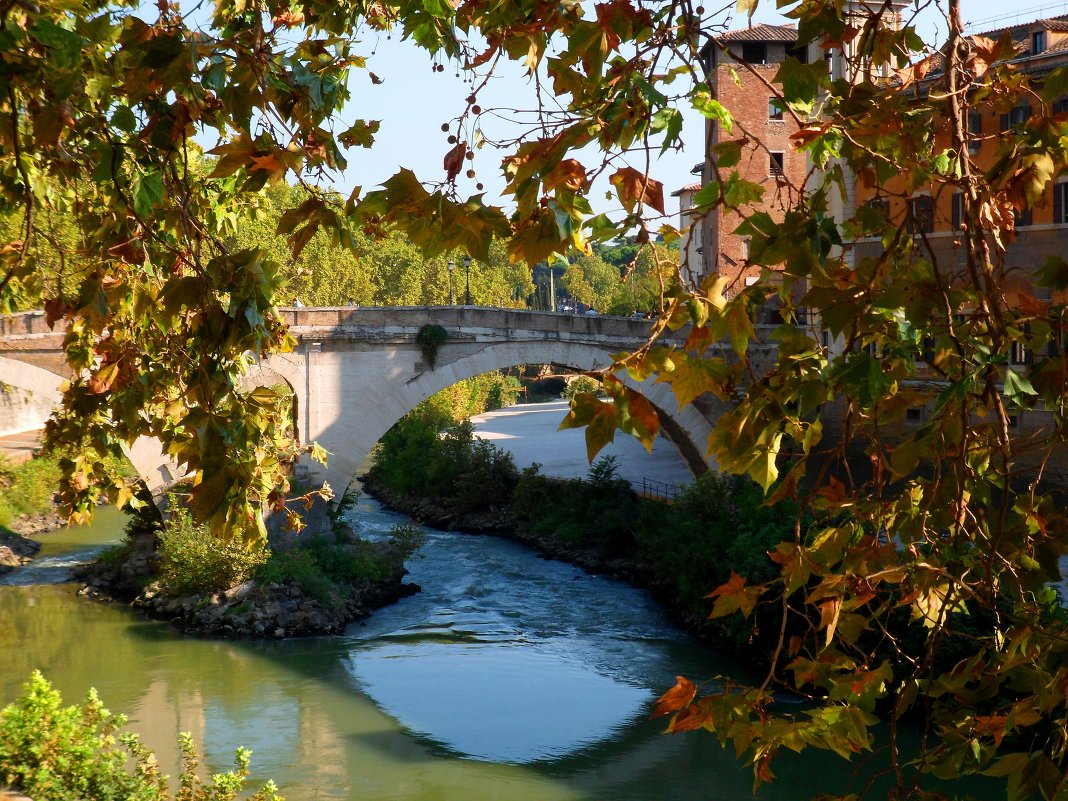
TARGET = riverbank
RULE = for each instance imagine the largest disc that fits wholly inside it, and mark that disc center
(316, 587)
(16, 551)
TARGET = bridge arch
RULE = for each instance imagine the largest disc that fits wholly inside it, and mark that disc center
(370, 404)
(40, 391)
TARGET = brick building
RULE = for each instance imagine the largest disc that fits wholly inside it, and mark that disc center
(933, 214)
(767, 157)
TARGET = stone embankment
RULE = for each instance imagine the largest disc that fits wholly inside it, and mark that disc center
(16, 549)
(272, 611)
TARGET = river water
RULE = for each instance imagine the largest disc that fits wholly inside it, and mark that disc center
(508, 677)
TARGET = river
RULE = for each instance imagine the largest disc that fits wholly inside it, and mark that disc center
(508, 677)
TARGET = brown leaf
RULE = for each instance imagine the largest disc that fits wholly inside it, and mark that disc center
(569, 174)
(454, 160)
(276, 501)
(54, 310)
(829, 611)
(104, 379)
(289, 19)
(676, 698)
(689, 719)
(634, 186)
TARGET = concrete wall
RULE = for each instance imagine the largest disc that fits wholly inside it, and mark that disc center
(22, 411)
(27, 396)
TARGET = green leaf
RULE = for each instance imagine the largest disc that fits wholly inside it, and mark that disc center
(801, 83)
(1017, 387)
(147, 192)
(596, 416)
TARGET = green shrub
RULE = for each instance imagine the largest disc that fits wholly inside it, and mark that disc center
(27, 488)
(405, 539)
(430, 338)
(192, 561)
(55, 753)
(325, 570)
(300, 567)
(579, 384)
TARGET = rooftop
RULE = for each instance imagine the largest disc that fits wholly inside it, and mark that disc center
(761, 33)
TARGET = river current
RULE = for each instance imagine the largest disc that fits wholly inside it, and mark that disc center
(508, 677)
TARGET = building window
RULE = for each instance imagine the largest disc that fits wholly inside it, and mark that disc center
(1060, 202)
(1022, 219)
(975, 130)
(774, 108)
(1060, 106)
(1038, 42)
(755, 52)
(914, 415)
(1019, 354)
(1017, 116)
(958, 210)
(778, 163)
(921, 215)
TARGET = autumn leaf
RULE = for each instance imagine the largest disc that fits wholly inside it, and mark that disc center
(454, 160)
(596, 416)
(676, 698)
(734, 596)
(829, 611)
(633, 187)
(569, 174)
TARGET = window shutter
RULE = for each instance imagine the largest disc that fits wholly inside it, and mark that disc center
(1058, 203)
(958, 202)
(1004, 122)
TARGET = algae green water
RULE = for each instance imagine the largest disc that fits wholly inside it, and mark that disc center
(508, 677)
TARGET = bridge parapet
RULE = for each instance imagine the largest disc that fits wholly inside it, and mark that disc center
(464, 323)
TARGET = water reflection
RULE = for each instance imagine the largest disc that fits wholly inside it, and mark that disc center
(502, 657)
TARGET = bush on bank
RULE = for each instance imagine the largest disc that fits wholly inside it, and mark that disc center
(54, 753)
(193, 562)
(28, 488)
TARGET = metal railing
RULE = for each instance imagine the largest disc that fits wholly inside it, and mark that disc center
(656, 490)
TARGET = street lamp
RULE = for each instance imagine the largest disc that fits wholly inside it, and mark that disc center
(467, 270)
(452, 266)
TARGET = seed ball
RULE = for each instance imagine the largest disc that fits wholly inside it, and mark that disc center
(700, 9)
(451, 140)
(470, 155)
(470, 173)
(477, 109)
(479, 186)
(445, 127)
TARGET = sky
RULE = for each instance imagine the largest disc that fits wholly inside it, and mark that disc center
(414, 101)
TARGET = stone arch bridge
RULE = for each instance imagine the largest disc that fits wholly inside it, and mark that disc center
(356, 371)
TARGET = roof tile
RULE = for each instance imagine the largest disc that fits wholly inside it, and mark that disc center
(761, 33)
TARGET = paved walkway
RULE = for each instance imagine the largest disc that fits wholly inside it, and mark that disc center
(529, 432)
(20, 447)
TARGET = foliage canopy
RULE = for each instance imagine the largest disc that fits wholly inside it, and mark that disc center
(946, 524)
